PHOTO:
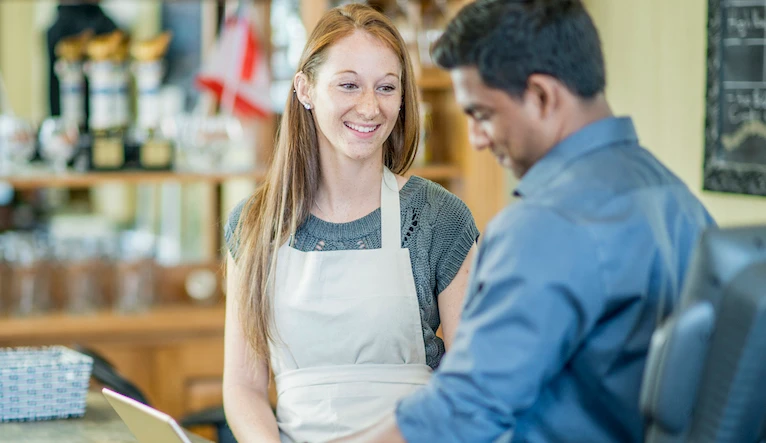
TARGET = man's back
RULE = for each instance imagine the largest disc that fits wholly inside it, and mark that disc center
(568, 286)
(644, 223)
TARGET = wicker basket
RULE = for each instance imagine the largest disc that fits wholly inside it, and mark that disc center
(43, 383)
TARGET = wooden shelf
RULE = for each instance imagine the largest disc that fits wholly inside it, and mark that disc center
(85, 180)
(63, 328)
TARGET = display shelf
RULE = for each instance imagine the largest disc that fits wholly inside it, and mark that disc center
(88, 179)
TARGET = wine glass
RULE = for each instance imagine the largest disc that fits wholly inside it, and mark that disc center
(58, 141)
(203, 141)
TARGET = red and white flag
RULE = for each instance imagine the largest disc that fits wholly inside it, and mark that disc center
(236, 72)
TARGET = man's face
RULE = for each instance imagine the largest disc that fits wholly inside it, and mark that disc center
(512, 129)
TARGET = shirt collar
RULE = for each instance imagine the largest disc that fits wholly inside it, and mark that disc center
(601, 133)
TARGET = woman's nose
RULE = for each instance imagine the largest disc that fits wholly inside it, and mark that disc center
(368, 106)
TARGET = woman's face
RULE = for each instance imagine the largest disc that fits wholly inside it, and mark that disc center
(356, 97)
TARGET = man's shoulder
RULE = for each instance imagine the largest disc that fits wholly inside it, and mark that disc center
(524, 222)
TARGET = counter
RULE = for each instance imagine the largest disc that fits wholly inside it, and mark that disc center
(100, 424)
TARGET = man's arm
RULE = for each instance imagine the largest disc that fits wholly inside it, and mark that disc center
(533, 296)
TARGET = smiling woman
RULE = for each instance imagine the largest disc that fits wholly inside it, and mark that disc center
(341, 270)
(356, 97)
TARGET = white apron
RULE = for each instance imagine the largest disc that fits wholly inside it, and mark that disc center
(349, 343)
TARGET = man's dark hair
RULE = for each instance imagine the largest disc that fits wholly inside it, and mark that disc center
(509, 40)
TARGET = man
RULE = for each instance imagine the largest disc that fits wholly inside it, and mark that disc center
(570, 281)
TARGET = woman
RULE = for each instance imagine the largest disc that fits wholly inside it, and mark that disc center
(341, 270)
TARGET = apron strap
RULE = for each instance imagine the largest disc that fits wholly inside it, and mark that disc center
(390, 218)
(383, 374)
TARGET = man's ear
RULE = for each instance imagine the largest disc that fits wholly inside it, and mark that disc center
(302, 89)
(544, 92)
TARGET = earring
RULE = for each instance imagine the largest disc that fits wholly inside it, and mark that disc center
(307, 106)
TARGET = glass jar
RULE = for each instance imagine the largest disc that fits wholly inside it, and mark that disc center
(82, 275)
(134, 272)
(28, 260)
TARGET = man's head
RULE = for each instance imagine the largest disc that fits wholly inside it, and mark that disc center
(527, 72)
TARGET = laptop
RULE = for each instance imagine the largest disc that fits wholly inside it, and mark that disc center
(147, 424)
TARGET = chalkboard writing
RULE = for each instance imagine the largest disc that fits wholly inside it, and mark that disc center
(735, 151)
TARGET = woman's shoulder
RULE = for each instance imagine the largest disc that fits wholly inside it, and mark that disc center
(431, 198)
(233, 218)
(447, 227)
(230, 233)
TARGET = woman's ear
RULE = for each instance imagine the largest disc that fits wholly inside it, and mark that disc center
(302, 89)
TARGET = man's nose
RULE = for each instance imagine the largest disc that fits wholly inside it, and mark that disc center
(477, 136)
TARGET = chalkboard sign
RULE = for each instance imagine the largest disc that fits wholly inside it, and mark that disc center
(735, 124)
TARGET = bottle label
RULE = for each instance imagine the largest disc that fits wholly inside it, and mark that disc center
(108, 152)
(73, 104)
(101, 85)
(148, 81)
(156, 154)
(71, 90)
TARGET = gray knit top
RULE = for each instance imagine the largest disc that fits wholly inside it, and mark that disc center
(437, 227)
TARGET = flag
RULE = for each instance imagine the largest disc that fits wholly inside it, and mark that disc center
(236, 73)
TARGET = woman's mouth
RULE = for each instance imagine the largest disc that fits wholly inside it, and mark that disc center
(362, 130)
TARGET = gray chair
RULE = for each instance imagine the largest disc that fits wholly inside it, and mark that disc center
(707, 363)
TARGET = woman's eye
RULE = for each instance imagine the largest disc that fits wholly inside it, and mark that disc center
(348, 86)
(387, 88)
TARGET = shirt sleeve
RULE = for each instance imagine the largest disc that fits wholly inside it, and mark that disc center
(534, 293)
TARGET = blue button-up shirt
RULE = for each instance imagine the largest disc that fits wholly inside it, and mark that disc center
(566, 290)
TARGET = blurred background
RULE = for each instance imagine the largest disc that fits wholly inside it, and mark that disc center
(130, 128)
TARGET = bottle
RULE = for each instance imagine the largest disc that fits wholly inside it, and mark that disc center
(107, 147)
(434, 21)
(150, 149)
(120, 93)
(406, 16)
(71, 76)
(69, 71)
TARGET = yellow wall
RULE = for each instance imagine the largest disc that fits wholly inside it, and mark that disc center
(20, 52)
(655, 57)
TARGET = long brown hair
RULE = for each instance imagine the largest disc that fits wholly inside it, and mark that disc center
(283, 201)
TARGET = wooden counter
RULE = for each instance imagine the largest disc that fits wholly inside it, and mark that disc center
(101, 423)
